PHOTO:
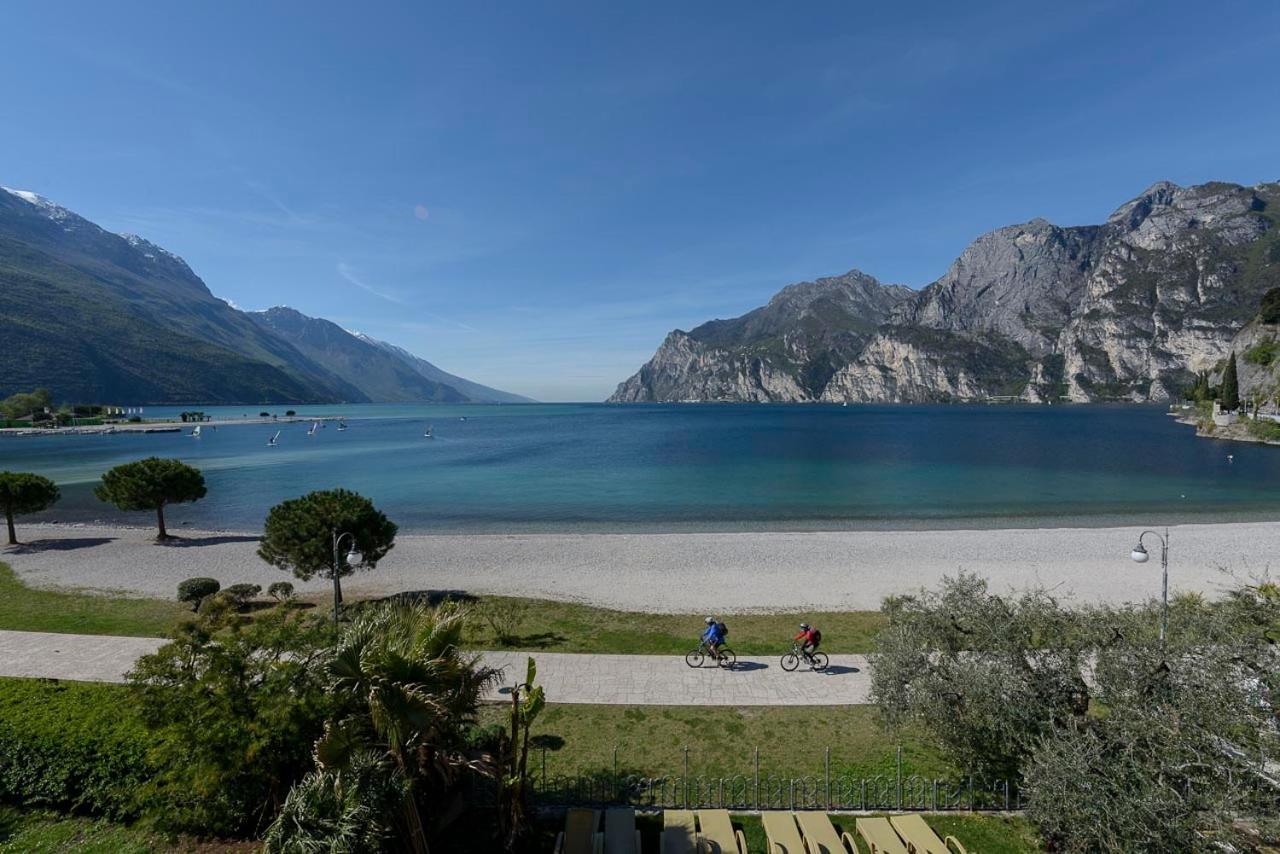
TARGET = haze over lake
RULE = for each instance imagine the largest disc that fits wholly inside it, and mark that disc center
(594, 467)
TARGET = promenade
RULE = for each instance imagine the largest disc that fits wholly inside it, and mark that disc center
(659, 680)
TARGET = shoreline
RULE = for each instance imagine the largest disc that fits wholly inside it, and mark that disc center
(676, 572)
(156, 426)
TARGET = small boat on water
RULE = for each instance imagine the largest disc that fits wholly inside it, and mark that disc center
(315, 425)
(271, 443)
(427, 435)
(342, 425)
(195, 434)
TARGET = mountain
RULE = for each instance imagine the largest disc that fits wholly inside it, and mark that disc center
(475, 391)
(1129, 309)
(103, 317)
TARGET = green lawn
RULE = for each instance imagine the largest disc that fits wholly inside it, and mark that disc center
(46, 833)
(580, 739)
(25, 608)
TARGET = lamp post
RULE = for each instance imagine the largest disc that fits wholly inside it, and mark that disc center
(1140, 555)
(352, 556)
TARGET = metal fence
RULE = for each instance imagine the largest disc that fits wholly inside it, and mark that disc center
(759, 789)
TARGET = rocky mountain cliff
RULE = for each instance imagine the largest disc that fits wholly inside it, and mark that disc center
(102, 317)
(1127, 310)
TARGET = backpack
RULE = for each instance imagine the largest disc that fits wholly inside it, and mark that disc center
(722, 630)
(817, 637)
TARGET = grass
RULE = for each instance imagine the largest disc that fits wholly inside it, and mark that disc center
(651, 740)
(24, 608)
(535, 624)
(45, 832)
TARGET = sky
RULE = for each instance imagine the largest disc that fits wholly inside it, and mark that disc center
(531, 195)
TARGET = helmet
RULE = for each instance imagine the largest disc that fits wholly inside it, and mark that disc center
(804, 626)
(710, 620)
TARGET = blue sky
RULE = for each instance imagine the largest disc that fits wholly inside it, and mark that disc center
(533, 194)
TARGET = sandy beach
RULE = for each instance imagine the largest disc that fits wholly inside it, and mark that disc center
(678, 573)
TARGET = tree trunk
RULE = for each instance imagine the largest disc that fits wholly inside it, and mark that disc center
(163, 535)
(13, 535)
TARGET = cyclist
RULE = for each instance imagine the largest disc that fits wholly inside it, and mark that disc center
(713, 636)
(809, 639)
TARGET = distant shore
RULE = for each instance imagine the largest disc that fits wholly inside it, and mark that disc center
(157, 426)
(677, 573)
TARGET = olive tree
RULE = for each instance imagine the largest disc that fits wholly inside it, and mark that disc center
(301, 535)
(22, 492)
(151, 484)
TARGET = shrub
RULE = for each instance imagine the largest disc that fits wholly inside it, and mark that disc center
(70, 746)
(1269, 310)
(504, 620)
(242, 594)
(264, 414)
(1263, 353)
(290, 413)
(280, 591)
(193, 590)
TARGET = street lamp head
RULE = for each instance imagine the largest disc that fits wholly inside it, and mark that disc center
(353, 556)
(1139, 554)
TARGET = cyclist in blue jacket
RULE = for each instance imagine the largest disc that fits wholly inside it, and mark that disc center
(713, 636)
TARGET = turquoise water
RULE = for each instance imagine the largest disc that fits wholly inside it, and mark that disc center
(695, 467)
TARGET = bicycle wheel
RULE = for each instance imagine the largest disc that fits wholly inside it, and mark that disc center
(790, 662)
(820, 661)
(695, 658)
(727, 658)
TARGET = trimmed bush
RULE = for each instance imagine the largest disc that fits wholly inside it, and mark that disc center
(72, 747)
(280, 591)
(193, 590)
(242, 594)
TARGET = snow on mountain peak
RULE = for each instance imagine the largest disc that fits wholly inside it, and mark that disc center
(51, 209)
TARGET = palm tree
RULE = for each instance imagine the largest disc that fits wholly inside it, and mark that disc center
(391, 758)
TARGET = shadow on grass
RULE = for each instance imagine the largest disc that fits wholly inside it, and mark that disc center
(173, 541)
(541, 640)
(58, 544)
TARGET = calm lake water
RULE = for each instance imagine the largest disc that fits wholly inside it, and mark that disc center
(696, 467)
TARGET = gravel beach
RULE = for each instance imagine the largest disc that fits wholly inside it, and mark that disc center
(678, 573)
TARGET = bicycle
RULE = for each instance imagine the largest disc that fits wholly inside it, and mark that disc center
(727, 658)
(817, 661)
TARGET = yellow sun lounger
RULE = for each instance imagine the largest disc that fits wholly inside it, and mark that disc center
(620, 834)
(679, 832)
(880, 836)
(820, 835)
(781, 831)
(718, 835)
(919, 836)
(579, 835)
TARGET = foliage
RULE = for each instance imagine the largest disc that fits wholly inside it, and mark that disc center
(22, 404)
(1263, 353)
(986, 676)
(298, 535)
(514, 806)
(1269, 307)
(1264, 428)
(242, 594)
(194, 590)
(280, 590)
(150, 484)
(235, 706)
(21, 493)
(1201, 391)
(71, 746)
(24, 608)
(504, 620)
(1230, 386)
(394, 752)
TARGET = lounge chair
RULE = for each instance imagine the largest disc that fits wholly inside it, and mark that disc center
(579, 835)
(620, 834)
(820, 835)
(781, 831)
(919, 836)
(679, 832)
(880, 836)
(717, 833)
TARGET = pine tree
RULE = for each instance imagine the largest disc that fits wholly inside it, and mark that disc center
(1230, 386)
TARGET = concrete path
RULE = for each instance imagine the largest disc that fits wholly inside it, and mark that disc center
(659, 680)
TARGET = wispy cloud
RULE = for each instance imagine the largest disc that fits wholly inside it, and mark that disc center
(347, 272)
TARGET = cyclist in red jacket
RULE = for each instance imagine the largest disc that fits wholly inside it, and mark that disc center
(809, 639)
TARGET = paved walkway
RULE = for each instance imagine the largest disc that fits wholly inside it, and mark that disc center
(660, 680)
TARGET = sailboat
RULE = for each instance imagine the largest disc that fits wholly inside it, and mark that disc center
(195, 434)
(271, 443)
(427, 435)
(342, 425)
(315, 425)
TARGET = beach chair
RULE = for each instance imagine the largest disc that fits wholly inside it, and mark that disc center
(880, 836)
(820, 835)
(679, 832)
(579, 835)
(620, 834)
(717, 833)
(919, 836)
(781, 831)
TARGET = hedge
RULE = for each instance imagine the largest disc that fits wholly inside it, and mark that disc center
(72, 746)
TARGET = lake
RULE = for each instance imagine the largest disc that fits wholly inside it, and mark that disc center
(702, 467)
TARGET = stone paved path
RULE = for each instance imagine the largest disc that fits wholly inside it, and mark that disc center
(660, 680)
